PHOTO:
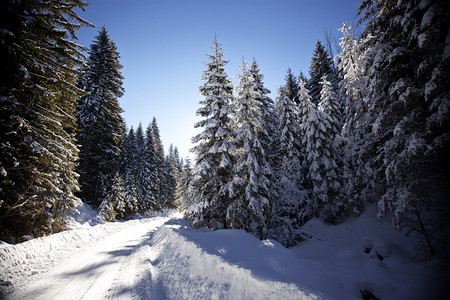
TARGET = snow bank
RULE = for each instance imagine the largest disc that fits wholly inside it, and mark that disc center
(364, 255)
(22, 263)
(224, 264)
(361, 256)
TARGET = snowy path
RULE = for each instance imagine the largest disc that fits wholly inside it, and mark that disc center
(163, 257)
(119, 267)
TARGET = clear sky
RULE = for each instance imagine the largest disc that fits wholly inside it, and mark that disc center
(163, 44)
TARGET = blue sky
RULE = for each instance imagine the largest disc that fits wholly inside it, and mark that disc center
(163, 44)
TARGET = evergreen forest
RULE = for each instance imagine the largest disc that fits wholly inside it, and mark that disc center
(368, 126)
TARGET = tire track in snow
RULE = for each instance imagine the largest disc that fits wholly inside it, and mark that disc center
(112, 269)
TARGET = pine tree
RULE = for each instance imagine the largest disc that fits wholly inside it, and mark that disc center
(321, 64)
(149, 174)
(214, 150)
(407, 131)
(267, 105)
(291, 86)
(173, 160)
(321, 140)
(251, 188)
(166, 188)
(356, 175)
(38, 69)
(329, 104)
(127, 167)
(183, 201)
(289, 176)
(101, 126)
(114, 202)
(322, 178)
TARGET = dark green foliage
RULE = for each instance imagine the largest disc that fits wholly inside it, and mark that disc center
(321, 64)
(38, 62)
(100, 123)
(166, 181)
(291, 86)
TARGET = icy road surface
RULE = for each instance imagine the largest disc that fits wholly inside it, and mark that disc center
(119, 267)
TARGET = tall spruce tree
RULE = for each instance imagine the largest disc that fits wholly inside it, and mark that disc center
(100, 123)
(288, 170)
(291, 86)
(38, 70)
(321, 64)
(183, 201)
(357, 173)
(407, 119)
(323, 158)
(268, 110)
(166, 188)
(148, 173)
(252, 173)
(114, 202)
(305, 107)
(127, 166)
(214, 150)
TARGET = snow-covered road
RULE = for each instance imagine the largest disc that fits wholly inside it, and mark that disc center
(163, 257)
(119, 267)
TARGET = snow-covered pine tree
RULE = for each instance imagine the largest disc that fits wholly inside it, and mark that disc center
(322, 160)
(166, 187)
(305, 107)
(173, 160)
(356, 174)
(100, 123)
(329, 104)
(149, 174)
(38, 70)
(142, 173)
(214, 150)
(127, 166)
(288, 170)
(183, 201)
(408, 96)
(114, 202)
(321, 64)
(252, 173)
(291, 86)
(268, 106)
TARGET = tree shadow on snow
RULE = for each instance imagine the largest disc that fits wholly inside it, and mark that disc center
(266, 260)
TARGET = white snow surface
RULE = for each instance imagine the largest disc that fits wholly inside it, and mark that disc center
(162, 257)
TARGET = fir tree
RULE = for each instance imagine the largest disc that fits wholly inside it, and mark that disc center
(114, 202)
(329, 105)
(323, 158)
(165, 190)
(305, 107)
(356, 174)
(101, 125)
(321, 64)
(321, 177)
(183, 201)
(38, 70)
(289, 177)
(291, 86)
(260, 94)
(407, 120)
(251, 188)
(214, 150)
(127, 171)
(149, 174)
